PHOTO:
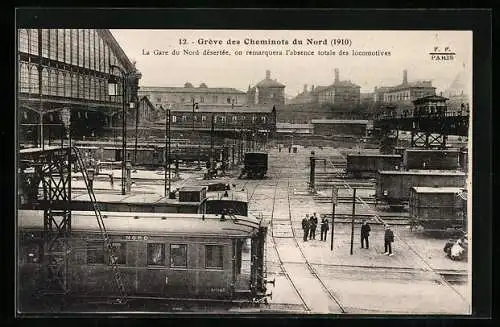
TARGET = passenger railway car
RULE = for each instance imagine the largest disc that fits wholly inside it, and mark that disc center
(166, 256)
(367, 165)
(394, 187)
(153, 157)
(438, 208)
(255, 165)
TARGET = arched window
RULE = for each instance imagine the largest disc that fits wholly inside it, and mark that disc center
(92, 88)
(34, 82)
(74, 85)
(53, 44)
(45, 81)
(67, 46)
(67, 84)
(24, 78)
(53, 82)
(60, 83)
(81, 86)
(45, 43)
(23, 40)
(33, 45)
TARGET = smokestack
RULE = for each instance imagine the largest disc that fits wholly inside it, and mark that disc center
(405, 77)
(336, 75)
(305, 88)
(268, 74)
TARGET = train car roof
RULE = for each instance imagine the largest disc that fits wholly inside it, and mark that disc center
(375, 155)
(422, 172)
(187, 225)
(433, 150)
(432, 190)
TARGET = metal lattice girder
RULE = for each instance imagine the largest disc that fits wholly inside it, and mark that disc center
(51, 172)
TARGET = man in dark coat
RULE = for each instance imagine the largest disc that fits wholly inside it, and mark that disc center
(388, 239)
(365, 232)
(305, 226)
(313, 224)
(324, 228)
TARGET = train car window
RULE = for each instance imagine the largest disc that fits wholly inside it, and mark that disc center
(120, 252)
(178, 255)
(95, 253)
(156, 254)
(214, 256)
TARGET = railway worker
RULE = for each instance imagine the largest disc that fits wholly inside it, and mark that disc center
(324, 228)
(305, 226)
(313, 225)
(111, 180)
(388, 239)
(365, 232)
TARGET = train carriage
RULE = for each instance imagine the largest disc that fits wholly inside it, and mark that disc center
(169, 256)
(394, 187)
(367, 165)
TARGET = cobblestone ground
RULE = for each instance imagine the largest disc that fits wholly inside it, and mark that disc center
(312, 278)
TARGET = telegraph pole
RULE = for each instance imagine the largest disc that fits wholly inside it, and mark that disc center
(352, 221)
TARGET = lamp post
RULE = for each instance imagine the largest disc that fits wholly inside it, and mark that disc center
(195, 106)
(167, 152)
(113, 85)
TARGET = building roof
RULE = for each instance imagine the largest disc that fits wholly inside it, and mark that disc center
(374, 155)
(345, 84)
(151, 224)
(422, 172)
(223, 109)
(180, 89)
(432, 190)
(432, 150)
(293, 126)
(339, 121)
(429, 98)
(267, 82)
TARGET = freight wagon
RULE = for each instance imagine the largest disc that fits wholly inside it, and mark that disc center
(394, 187)
(367, 165)
(255, 165)
(438, 208)
(431, 159)
(191, 257)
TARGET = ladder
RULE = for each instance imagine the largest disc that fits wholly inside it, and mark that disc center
(107, 242)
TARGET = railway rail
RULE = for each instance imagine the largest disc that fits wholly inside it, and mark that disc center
(311, 270)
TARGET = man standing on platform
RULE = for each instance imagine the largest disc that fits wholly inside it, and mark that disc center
(313, 222)
(324, 228)
(305, 226)
(388, 239)
(365, 232)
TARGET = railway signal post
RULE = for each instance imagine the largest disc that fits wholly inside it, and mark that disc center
(353, 215)
(335, 193)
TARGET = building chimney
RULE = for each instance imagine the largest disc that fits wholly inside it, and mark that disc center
(336, 75)
(405, 77)
(305, 88)
(268, 74)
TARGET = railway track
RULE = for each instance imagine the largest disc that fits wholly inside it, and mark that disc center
(309, 267)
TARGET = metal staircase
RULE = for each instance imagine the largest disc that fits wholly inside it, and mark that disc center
(107, 242)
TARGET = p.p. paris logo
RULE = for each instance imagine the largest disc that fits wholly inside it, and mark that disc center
(442, 54)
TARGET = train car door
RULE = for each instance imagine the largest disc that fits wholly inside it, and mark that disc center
(118, 155)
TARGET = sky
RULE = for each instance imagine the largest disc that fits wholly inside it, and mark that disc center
(408, 50)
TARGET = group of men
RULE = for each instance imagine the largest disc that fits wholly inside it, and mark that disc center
(310, 224)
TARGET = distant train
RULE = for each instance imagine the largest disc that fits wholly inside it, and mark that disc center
(161, 255)
(255, 165)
